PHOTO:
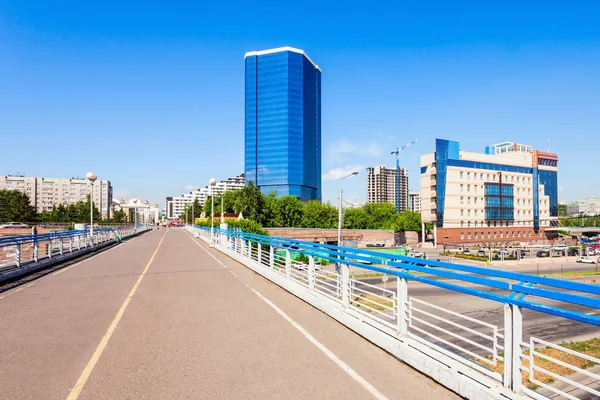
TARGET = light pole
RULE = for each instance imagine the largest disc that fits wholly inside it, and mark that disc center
(146, 212)
(339, 238)
(92, 178)
(135, 215)
(212, 184)
(193, 215)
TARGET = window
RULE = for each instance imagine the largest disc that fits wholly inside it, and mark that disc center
(519, 234)
(495, 235)
(468, 200)
(501, 234)
(468, 175)
(476, 234)
(462, 200)
(469, 224)
(468, 188)
(475, 200)
(461, 187)
(481, 176)
(462, 212)
(462, 223)
(517, 179)
(461, 174)
(469, 213)
(475, 227)
(462, 235)
(488, 177)
(469, 235)
(489, 235)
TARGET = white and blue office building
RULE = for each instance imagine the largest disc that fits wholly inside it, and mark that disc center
(283, 123)
(508, 195)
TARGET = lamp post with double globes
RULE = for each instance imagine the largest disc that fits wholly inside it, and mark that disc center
(92, 178)
(135, 216)
(212, 184)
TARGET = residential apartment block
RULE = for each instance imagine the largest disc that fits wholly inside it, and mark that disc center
(45, 193)
(381, 186)
(589, 207)
(489, 198)
(414, 201)
(175, 205)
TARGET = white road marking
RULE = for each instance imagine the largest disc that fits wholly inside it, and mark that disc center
(87, 371)
(345, 367)
(18, 290)
(31, 284)
(591, 313)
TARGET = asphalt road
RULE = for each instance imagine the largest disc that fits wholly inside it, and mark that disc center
(158, 317)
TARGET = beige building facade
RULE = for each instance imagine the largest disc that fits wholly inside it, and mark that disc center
(489, 198)
(381, 186)
(45, 193)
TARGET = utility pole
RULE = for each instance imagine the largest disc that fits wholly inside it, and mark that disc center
(397, 153)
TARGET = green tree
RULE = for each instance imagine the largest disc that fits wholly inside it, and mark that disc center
(16, 206)
(319, 215)
(290, 210)
(381, 215)
(356, 218)
(270, 212)
(250, 202)
(119, 216)
(563, 210)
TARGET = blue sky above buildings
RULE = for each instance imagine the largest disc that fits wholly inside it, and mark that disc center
(151, 94)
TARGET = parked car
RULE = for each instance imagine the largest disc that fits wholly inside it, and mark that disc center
(416, 254)
(543, 253)
(14, 225)
(466, 251)
(560, 247)
(573, 252)
(586, 260)
(481, 253)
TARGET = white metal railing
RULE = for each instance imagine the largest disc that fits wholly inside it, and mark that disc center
(466, 354)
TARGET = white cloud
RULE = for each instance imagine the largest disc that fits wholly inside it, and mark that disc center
(340, 151)
(338, 173)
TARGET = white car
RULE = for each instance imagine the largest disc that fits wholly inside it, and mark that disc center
(586, 260)
(14, 225)
(560, 247)
(416, 254)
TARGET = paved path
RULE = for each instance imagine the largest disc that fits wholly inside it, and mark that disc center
(164, 317)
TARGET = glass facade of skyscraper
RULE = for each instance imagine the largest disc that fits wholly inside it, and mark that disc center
(283, 123)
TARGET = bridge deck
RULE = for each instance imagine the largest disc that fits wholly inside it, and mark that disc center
(164, 317)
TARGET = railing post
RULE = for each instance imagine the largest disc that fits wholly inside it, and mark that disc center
(36, 252)
(507, 383)
(86, 241)
(517, 338)
(402, 299)
(271, 257)
(311, 272)
(70, 244)
(249, 251)
(50, 247)
(259, 253)
(288, 264)
(60, 248)
(18, 254)
(345, 284)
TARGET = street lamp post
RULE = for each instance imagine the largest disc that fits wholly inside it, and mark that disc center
(212, 184)
(146, 212)
(135, 216)
(339, 238)
(193, 215)
(92, 178)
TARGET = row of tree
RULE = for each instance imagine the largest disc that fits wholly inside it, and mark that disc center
(15, 206)
(289, 212)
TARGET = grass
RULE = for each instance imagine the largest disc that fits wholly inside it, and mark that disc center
(574, 273)
(589, 347)
(372, 301)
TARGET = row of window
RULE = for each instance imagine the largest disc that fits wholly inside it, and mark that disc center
(500, 234)
(476, 188)
(492, 177)
(495, 224)
(526, 202)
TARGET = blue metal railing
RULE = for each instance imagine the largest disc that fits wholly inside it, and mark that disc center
(517, 285)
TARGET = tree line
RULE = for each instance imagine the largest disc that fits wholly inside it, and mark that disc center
(15, 206)
(288, 212)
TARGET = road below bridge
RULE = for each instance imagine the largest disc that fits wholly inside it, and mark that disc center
(164, 317)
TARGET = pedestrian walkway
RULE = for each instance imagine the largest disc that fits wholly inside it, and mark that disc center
(165, 317)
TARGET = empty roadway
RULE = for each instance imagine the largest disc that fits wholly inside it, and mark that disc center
(159, 318)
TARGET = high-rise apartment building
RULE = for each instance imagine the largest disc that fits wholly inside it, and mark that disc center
(46, 193)
(381, 186)
(511, 196)
(283, 123)
(414, 201)
(176, 205)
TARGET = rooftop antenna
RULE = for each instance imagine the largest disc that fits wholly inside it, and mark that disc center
(397, 153)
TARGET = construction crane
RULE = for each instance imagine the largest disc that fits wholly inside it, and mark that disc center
(397, 153)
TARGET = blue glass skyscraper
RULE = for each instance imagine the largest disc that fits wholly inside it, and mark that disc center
(283, 123)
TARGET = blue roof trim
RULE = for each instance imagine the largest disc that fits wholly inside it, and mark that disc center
(424, 169)
(490, 166)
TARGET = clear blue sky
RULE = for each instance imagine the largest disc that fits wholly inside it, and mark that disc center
(150, 95)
